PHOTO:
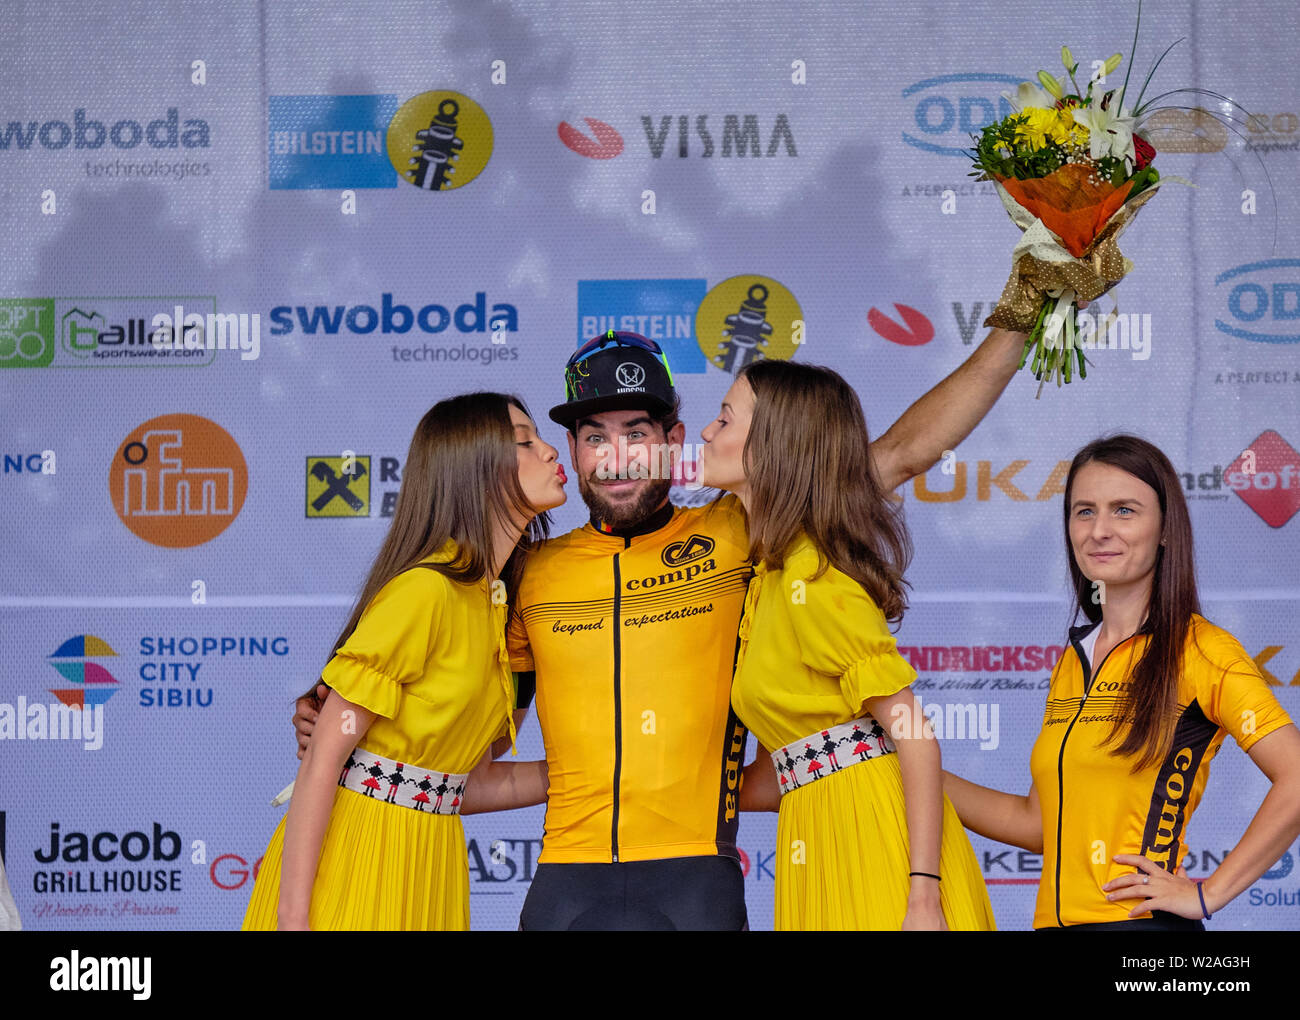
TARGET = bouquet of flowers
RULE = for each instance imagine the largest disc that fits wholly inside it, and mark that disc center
(1072, 171)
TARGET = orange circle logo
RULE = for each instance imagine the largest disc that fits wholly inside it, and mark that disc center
(178, 480)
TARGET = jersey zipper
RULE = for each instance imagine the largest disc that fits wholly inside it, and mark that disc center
(618, 700)
(1088, 679)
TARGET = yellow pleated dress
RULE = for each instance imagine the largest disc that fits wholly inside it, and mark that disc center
(811, 652)
(428, 657)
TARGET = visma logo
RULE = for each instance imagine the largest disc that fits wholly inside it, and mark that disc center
(604, 142)
(741, 135)
(948, 109)
(914, 329)
(166, 132)
(1260, 301)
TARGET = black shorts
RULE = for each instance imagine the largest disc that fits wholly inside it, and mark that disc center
(677, 894)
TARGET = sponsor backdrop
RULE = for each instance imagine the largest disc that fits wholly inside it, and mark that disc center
(330, 216)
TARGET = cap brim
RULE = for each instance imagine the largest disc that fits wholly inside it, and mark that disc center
(567, 414)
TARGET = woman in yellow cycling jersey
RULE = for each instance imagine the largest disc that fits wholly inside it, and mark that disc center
(865, 837)
(420, 687)
(1138, 706)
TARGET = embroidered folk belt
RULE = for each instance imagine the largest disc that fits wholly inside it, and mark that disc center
(808, 759)
(403, 784)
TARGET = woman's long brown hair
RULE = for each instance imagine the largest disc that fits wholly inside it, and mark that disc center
(460, 479)
(1148, 707)
(808, 464)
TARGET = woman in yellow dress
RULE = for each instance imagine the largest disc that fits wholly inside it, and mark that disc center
(865, 837)
(419, 689)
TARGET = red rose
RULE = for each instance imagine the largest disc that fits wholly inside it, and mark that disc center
(1143, 153)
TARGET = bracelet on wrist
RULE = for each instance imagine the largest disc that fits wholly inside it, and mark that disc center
(923, 874)
(1200, 891)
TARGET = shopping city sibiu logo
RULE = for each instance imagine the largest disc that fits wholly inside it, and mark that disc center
(435, 141)
(1260, 301)
(947, 110)
(686, 135)
(737, 322)
(97, 132)
(78, 711)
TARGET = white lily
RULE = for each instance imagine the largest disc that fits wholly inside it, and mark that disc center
(1109, 133)
(1028, 95)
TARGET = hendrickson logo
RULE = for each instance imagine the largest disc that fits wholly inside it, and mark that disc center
(948, 109)
(1260, 301)
(165, 132)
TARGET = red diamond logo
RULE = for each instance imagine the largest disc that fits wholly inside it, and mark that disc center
(1267, 478)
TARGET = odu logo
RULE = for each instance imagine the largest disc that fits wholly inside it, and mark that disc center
(1261, 301)
(947, 110)
(693, 548)
(436, 141)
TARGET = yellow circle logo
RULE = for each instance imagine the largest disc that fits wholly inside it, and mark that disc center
(748, 318)
(439, 140)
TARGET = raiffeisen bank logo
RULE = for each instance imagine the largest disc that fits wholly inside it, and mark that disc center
(945, 111)
(436, 141)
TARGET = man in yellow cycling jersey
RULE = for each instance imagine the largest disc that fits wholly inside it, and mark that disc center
(626, 630)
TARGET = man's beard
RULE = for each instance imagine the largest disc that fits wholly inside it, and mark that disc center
(623, 515)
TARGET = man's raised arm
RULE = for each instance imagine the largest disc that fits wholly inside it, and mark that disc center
(947, 414)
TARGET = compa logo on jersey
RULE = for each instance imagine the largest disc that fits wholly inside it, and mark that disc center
(436, 141)
(178, 480)
(945, 111)
(1260, 301)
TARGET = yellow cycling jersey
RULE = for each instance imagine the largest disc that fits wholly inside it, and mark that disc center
(1093, 805)
(633, 637)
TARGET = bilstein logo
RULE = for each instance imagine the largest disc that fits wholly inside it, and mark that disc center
(1266, 476)
(693, 548)
(178, 480)
(741, 135)
(1265, 306)
(605, 143)
(166, 132)
(662, 310)
(747, 318)
(689, 573)
(948, 109)
(439, 141)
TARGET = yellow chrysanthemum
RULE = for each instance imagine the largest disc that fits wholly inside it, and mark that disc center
(1042, 127)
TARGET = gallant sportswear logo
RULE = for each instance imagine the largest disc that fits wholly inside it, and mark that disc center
(693, 548)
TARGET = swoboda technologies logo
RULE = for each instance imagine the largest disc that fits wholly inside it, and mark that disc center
(948, 109)
(178, 480)
(395, 319)
(1260, 301)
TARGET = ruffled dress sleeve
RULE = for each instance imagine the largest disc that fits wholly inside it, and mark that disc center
(392, 642)
(843, 633)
